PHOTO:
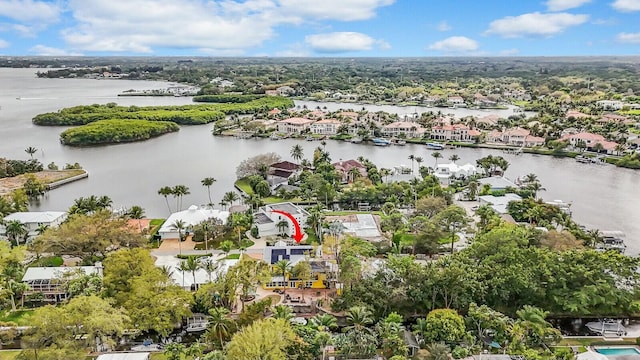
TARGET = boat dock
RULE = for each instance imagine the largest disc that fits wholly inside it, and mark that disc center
(57, 184)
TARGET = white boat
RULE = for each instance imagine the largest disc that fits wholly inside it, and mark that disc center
(400, 143)
(275, 136)
(197, 326)
(356, 140)
(435, 146)
(607, 326)
(381, 142)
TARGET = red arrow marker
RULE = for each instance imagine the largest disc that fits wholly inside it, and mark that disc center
(298, 235)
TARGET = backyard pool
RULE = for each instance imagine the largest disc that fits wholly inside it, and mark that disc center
(614, 351)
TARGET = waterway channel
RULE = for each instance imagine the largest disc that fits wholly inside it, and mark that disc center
(603, 197)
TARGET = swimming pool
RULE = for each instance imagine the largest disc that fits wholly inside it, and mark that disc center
(614, 351)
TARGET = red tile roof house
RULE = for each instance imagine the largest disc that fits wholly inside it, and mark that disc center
(280, 172)
(457, 132)
(513, 136)
(409, 129)
(343, 168)
(294, 125)
(590, 140)
(576, 115)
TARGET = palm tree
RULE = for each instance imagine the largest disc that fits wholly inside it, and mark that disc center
(284, 266)
(535, 187)
(529, 178)
(283, 312)
(230, 197)
(436, 155)
(210, 266)
(419, 161)
(297, 153)
(219, 324)
(208, 181)
(324, 322)
(179, 191)
(385, 173)
(104, 202)
(206, 227)
(191, 264)
(438, 351)
(41, 229)
(14, 230)
(282, 226)
(358, 318)
(166, 191)
(453, 158)
(354, 174)
(31, 150)
(166, 271)
(136, 212)
(412, 158)
(473, 189)
(179, 225)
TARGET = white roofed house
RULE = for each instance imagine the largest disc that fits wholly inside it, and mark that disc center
(267, 221)
(325, 127)
(51, 282)
(444, 172)
(33, 221)
(610, 104)
(294, 125)
(193, 216)
(408, 128)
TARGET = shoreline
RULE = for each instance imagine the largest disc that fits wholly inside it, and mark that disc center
(52, 179)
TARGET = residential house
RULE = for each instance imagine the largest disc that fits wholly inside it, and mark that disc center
(285, 91)
(344, 167)
(455, 100)
(294, 253)
(406, 128)
(611, 105)
(590, 141)
(33, 221)
(576, 115)
(488, 121)
(294, 125)
(444, 172)
(456, 132)
(267, 221)
(481, 100)
(191, 217)
(51, 282)
(614, 118)
(326, 127)
(279, 173)
(497, 183)
(274, 112)
(499, 203)
(515, 137)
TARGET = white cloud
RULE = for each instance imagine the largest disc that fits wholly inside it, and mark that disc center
(344, 10)
(30, 10)
(626, 5)
(212, 27)
(455, 44)
(4, 44)
(338, 42)
(535, 24)
(43, 50)
(443, 26)
(630, 38)
(561, 5)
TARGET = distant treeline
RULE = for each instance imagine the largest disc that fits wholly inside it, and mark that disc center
(183, 115)
(9, 168)
(226, 98)
(116, 131)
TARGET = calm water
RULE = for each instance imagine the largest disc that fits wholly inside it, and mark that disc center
(603, 197)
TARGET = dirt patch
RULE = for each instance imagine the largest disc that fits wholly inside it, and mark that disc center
(7, 185)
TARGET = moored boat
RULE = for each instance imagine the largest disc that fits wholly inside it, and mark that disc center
(606, 326)
(356, 140)
(197, 326)
(381, 142)
(400, 143)
(435, 146)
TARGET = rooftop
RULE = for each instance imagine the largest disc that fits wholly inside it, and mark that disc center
(194, 216)
(497, 182)
(35, 216)
(499, 203)
(125, 356)
(48, 273)
(287, 207)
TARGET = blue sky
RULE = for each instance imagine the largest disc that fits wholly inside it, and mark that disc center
(385, 28)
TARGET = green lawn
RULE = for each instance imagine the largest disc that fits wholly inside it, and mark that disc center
(243, 184)
(49, 261)
(9, 354)
(158, 356)
(20, 317)
(232, 257)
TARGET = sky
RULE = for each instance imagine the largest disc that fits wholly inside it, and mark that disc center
(320, 28)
